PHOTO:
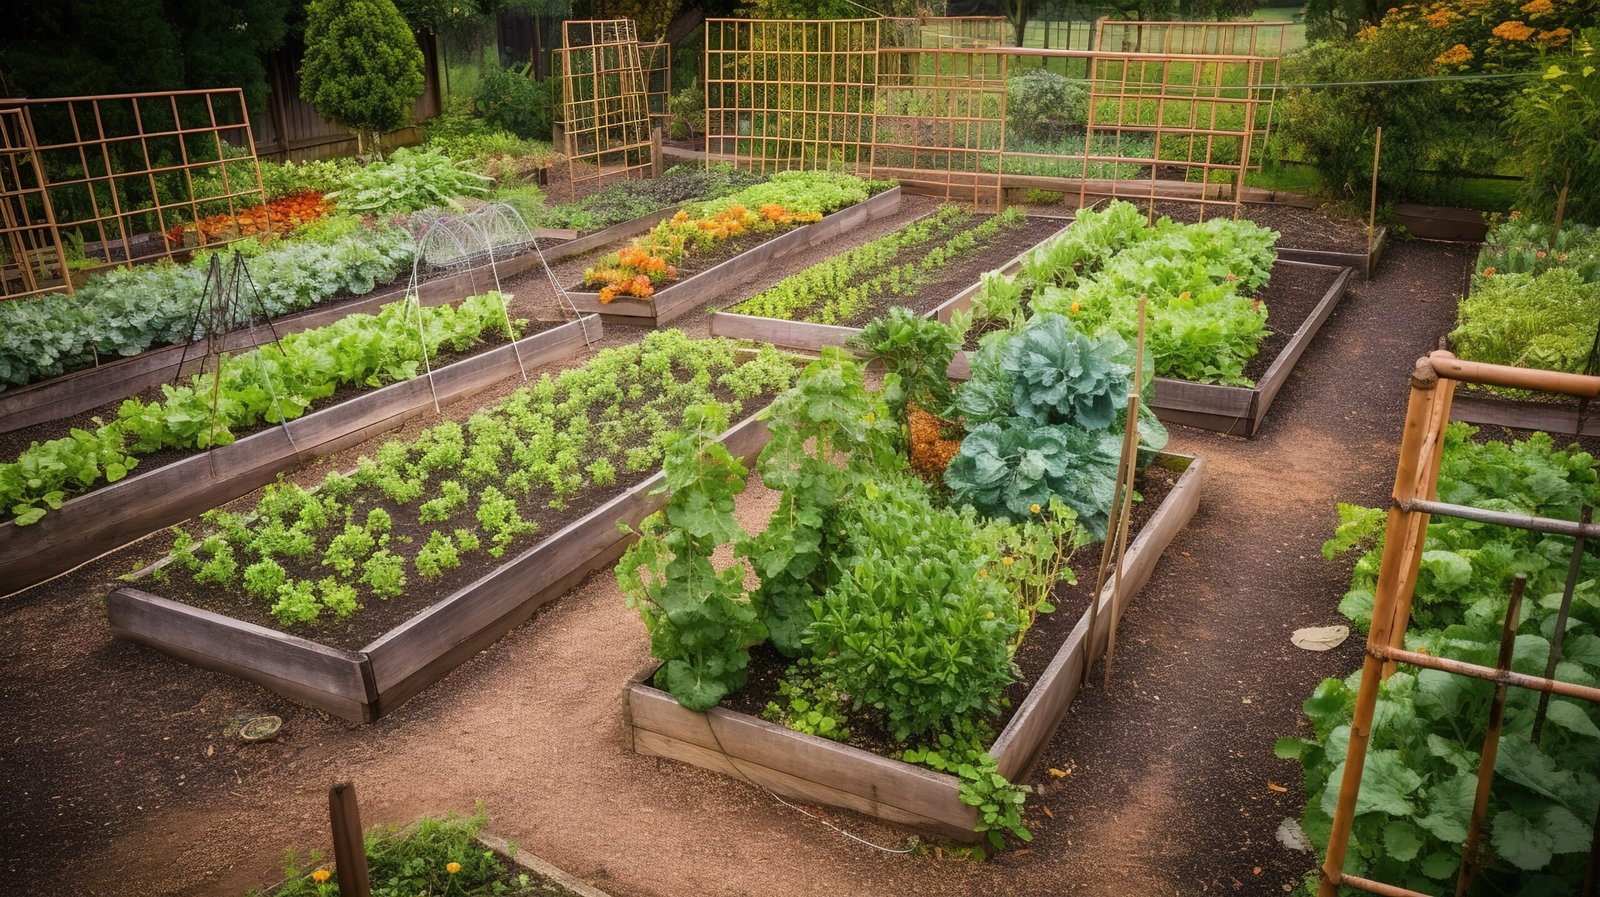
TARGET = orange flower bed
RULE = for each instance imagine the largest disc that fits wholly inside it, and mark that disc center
(931, 452)
(640, 268)
(276, 217)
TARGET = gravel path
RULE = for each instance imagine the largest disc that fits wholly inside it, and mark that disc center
(124, 782)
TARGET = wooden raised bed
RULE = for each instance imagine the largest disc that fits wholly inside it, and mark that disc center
(77, 391)
(118, 513)
(363, 685)
(1235, 410)
(1365, 262)
(693, 292)
(815, 770)
(1550, 417)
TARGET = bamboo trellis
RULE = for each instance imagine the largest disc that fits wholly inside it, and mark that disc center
(605, 119)
(1185, 124)
(1413, 502)
(35, 261)
(125, 175)
(786, 94)
(1268, 40)
(656, 62)
(942, 113)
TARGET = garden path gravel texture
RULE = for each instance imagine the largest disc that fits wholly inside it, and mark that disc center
(122, 778)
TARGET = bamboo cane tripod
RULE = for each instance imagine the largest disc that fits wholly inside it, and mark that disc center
(1414, 501)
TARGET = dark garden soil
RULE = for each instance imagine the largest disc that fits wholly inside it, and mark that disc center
(126, 776)
(1298, 228)
(1290, 297)
(1044, 639)
(957, 276)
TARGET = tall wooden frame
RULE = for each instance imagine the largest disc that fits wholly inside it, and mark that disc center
(943, 112)
(605, 118)
(124, 175)
(1268, 40)
(1413, 503)
(35, 261)
(945, 32)
(655, 60)
(784, 94)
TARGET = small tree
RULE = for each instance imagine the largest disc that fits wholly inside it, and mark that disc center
(362, 68)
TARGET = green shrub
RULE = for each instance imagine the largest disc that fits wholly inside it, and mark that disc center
(688, 109)
(510, 100)
(1042, 105)
(1556, 123)
(362, 66)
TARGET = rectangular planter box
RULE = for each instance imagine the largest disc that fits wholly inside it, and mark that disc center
(815, 770)
(1235, 410)
(693, 292)
(1365, 262)
(106, 519)
(71, 393)
(363, 685)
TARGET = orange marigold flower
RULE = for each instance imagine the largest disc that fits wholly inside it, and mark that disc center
(1554, 36)
(1540, 254)
(1488, 272)
(1441, 18)
(321, 875)
(452, 867)
(1537, 7)
(1512, 31)
(1456, 55)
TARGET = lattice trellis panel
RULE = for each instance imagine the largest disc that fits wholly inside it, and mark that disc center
(605, 118)
(134, 177)
(1268, 40)
(33, 259)
(1174, 118)
(942, 114)
(656, 61)
(791, 94)
(945, 32)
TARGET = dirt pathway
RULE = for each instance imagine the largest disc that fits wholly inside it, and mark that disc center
(123, 781)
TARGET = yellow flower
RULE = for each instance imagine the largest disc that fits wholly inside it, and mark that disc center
(1008, 561)
(983, 574)
(321, 875)
(1555, 36)
(452, 867)
(1456, 55)
(1034, 508)
(1512, 31)
(1075, 307)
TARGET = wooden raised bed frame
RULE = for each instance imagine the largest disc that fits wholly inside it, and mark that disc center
(712, 283)
(815, 770)
(118, 513)
(77, 391)
(1235, 410)
(363, 685)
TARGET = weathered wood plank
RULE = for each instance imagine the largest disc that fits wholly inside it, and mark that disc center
(323, 677)
(1550, 417)
(101, 521)
(1361, 261)
(1018, 748)
(421, 650)
(778, 332)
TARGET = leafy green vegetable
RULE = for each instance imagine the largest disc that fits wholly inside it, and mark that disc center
(1007, 468)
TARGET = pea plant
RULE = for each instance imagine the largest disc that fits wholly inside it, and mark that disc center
(415, 514)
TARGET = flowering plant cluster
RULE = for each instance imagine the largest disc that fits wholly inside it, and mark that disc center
(276, 217)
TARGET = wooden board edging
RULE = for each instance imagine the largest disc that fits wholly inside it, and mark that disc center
(804, 767)
(714, 282)
(1366, 262)
(101, 521)
(1521, 414)
(424, 649)
(80, 390)
(611, 234)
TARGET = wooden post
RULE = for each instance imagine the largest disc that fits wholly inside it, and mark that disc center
(1561, 208)
(349, 848)
(1395, 576)
(1372, 212)
(656, 165)
(1559, 634)
(1426, 486)
(1491, 738)
(1130, 453)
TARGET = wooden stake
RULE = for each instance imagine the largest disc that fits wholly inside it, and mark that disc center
(349, 848)
(1491, 738)
(1372, 212)
(1559, 634)
(1561, 208)
(1130, 449)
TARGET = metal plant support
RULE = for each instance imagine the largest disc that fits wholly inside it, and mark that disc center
(1414, 502)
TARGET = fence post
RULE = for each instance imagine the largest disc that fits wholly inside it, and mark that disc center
(349, 849)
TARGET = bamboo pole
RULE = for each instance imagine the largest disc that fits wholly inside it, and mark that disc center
(1372, 212)
(1558, 636)
(1402, 532)
(1561, 207)
(1491, 737)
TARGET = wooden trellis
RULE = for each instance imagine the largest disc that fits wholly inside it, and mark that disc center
(122, 178)
(1268, 40)
(945, 32)
(34, 261)
(656, 62)
(784, 94)
(1413, 503)
(942, 113)
(605, 118)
